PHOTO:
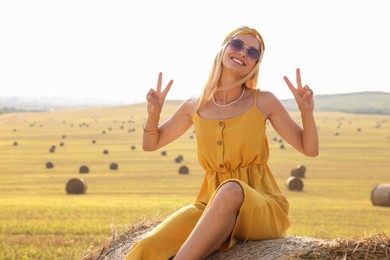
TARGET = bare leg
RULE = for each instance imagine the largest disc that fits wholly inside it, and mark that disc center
(215, 225)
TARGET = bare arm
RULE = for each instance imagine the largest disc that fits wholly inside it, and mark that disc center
(156, 136)
(304, 139)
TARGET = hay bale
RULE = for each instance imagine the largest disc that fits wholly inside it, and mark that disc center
(290, 247)
(84, 169)
(113, 166)
(62, 144)
(94, 141)
(380, 195)
(52, 149)
(163, 153)
(76, 186)
(179, 159)
(133, 147)
(294, 183)
(49, 165)
(15, 143)
(299, 171)
(282, 147)
(105, 151)
(184, 170)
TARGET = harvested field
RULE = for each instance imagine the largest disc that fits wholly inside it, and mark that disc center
(39, 220)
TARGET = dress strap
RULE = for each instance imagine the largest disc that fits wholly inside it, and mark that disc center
(255, 99)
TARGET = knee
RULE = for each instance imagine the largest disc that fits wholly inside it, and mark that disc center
(232, 192)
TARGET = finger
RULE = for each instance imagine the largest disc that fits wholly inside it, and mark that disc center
(158, 89)
(299, 82)
(308, 90)
(167, 88)
(150, 94)
(290, 85)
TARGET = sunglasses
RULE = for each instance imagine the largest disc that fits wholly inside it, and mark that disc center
(251, 52)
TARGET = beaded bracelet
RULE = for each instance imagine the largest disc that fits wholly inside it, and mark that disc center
(148, 132)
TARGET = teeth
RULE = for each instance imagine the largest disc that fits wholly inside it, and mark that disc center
(237, 61)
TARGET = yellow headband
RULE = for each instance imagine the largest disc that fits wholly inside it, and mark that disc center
(245, 30)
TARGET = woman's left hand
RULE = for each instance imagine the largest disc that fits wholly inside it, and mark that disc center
(303, 95)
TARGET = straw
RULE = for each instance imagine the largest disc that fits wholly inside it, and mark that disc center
(291, 247)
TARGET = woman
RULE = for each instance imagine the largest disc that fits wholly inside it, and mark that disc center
(239, 198)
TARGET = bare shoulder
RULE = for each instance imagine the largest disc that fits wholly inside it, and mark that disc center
(267, 102)
(266, 96)
(188, 107)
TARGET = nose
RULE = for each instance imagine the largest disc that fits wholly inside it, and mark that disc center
(242, 52)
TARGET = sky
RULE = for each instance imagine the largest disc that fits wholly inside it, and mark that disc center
(115, 49)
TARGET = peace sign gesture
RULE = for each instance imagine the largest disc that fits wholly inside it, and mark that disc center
(303, 95)
(156, 97)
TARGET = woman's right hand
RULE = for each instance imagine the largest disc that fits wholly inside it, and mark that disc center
(156, 98)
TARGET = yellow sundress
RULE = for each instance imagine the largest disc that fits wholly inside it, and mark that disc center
(234, 149)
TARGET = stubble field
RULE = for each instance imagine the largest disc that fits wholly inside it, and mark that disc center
(38, 220)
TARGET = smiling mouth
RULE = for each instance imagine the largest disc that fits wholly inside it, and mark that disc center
(239, 62)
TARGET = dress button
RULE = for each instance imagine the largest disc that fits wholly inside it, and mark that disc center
(221, 166)
(220, 123)
(219, 142)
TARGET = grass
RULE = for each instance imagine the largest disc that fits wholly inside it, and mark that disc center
(38, 220)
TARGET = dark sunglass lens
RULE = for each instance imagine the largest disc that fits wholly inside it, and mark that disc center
(236, 45)
(253, 53)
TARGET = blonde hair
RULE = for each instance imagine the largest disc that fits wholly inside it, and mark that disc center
(250, 81)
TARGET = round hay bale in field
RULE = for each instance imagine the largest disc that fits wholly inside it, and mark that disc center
(179, 159)
(290, 247)
(184, 170)
(94, 141)
(294, 183)
(282, 146)
(84, 169)
(63, 136)
(113, 166)
(15, 143)
(380, 195)
(49, 165)
(52, 149)
(76, 186)
(62, 144)
(133, 147)
(163, 153)
(105, 151)
(299, 171)
(104, 132)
